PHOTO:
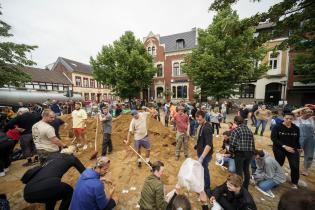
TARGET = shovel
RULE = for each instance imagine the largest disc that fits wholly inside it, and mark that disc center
(141, 157)
(94, 155)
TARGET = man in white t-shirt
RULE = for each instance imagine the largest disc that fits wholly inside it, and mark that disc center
(138, 127)
(79, 117)
(44, 136)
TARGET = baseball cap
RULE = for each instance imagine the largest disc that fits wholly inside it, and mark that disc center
(102, 161)
(134, 112)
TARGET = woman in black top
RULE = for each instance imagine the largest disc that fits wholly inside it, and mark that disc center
(46, 186)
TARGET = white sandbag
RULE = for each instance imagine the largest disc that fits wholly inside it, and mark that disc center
(191, 175)
(216, 206)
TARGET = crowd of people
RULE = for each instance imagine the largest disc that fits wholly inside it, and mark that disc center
(37, 131)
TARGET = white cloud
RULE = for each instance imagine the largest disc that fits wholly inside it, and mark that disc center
(77, 29)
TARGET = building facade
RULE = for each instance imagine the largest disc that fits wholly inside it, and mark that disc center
(298, 93)
(271, 87)
(44, 85)
(82, 79)
(168, 53)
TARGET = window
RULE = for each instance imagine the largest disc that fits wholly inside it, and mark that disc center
(159, 92)
(55, 87)
(176, 69)
(92, 83)
(180, 44)
(159, 70)
(247, 91)
(273, 61)
(86, 96)
(85, 82)
(78, 81)
(149, 50)
(93, 96)
(43, 87)
(98, 85)
(180, 91)
(105, 96)
(153, 51)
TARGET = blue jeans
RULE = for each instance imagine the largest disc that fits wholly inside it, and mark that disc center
(205, 164)
(231, 163)
(192, 127)
(308, 145)
(263, 123)
(267, 184)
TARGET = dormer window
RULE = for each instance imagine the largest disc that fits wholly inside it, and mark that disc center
(149, 50)
(180, 44)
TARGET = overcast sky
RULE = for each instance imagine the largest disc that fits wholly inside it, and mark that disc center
(77, 29)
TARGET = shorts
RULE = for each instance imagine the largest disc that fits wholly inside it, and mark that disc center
(79, 131)
(143, 142)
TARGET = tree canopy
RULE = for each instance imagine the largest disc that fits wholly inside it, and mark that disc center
(125, 65)
(12, 57)
(293, 17)
(225, 57)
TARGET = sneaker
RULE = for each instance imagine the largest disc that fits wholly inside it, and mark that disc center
(294, 186)
(150, 163)
(139, 164)
(263, 192)
(6, 170)
(2, 174)
(85, 147)
(79, 145)
(270, 194)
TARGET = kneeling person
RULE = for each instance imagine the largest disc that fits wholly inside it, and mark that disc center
(89, 190)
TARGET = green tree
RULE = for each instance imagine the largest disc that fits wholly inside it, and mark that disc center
(225, 56)
(125, 65)
(12, 57)
(294, 17)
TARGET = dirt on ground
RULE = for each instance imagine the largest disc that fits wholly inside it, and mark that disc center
(126, 176)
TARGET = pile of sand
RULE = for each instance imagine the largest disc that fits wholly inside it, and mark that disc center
(124, 173)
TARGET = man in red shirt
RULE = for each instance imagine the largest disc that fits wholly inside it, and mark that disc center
(181, 119)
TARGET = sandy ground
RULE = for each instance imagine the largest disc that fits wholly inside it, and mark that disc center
(127, 176)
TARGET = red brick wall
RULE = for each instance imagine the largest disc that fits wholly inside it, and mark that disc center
(160, 57)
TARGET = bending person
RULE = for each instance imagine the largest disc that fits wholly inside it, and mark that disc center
(89, 191)
(46, 186)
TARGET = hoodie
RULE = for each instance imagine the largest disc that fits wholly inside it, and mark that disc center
(89, 192)
(269, 168)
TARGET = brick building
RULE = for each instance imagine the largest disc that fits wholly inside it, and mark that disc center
(82, 79)
(168, 52)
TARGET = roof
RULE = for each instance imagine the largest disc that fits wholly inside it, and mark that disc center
(265, 25)
(75, 66)
(189, 38)
(45, 75)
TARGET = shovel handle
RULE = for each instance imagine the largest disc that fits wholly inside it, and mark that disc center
(141, 157)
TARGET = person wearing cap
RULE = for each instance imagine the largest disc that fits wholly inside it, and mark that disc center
(46, 186)
(79, 117)
(139, 128)
(89, 191)
(181, 119)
